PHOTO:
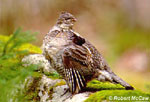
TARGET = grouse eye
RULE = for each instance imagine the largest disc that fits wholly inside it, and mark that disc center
(67, 18)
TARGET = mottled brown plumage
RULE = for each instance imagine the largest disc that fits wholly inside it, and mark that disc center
(74, 57)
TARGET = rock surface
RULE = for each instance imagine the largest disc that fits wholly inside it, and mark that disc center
(49, 90)
(45, 89)
(40, 60)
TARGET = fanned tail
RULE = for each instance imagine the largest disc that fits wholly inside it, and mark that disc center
(118, 80)
(112, 77)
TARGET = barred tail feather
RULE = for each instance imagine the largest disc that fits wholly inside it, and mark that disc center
(112, 77)
(118, 80)
(75, 80)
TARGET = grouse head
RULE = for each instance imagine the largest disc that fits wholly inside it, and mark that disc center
(66, 20)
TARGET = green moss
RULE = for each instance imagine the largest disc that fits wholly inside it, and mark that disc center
(37, 74)
(50, 92)
(103, 85)
(53, 75)
(32, 90)
(31, 48)
(112, 92)
(62, 82)
(118, 96)
(4, 38)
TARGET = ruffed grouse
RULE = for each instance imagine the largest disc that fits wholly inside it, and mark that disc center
(74, 57)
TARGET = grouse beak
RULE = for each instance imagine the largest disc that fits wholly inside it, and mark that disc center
(74, 20)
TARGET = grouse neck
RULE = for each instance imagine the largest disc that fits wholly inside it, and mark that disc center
(64, 27)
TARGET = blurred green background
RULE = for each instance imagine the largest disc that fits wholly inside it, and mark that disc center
(120, 29)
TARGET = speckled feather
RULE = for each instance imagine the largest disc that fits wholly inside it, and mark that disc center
(74, 57)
